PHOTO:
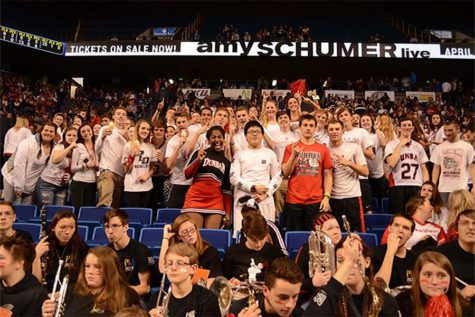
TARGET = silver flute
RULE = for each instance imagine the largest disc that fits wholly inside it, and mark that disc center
(57, 277)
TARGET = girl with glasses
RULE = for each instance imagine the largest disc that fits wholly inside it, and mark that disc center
(185, 230)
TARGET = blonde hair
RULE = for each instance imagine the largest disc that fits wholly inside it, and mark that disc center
(264, 119)
(459, 200)
(386, 126)
(20, 123)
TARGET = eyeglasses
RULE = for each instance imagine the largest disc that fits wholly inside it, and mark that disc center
(115, 226)
(184, 233)
(179, 263)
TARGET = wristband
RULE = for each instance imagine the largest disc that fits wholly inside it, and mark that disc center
(327, 195)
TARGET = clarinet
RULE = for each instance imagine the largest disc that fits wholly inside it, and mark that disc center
(44, 257)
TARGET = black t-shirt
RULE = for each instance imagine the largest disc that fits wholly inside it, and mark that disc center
(210, 260)
(135, 258)
(77, 305)
(70, 266)
(238, 306)
(200, 302)
(238, 259)
(26, 297)
(402, 267)
(462, 261)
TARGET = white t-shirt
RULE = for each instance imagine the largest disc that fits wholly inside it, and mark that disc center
(454, 160)
(110, 151)
(427, 229)
(140, 167)
(281, 140)
(346, 183)
(14, 137)
(178, 176)
(53, 173)
(375, 165)
(407, 171)
(322, 137)
(361, 137)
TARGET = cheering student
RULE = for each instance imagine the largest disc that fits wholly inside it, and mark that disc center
(209, 197)
(139, 160)
(20, 292)
(84, 164)
(7, 218)
(101, 289)
(109, 146)
(22, 171)
(52, 187)
(185, 230)
(184, 298)
(62, 242)
(280, 293)
(434, 290)
(347, 293)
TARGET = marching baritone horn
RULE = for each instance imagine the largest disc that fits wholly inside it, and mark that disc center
(321, 252)
(222, 288)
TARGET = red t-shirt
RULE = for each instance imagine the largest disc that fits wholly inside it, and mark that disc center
(306, 180)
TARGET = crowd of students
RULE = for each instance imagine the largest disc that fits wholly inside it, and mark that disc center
(249, 167)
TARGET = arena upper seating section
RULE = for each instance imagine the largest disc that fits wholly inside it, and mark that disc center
(322, 28)
(430, 23)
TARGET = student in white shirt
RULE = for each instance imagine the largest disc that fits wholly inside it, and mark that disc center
(454, 161)
(22, 171)
(407, 160)
(14, 136)
(138, 159)
(176, 161)
(348, 163)
(84, 164)
(52, 187)
(255, 171)
(110, 146)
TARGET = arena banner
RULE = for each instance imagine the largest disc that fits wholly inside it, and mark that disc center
(200, 93)
(340, 93)
(378, 94)
(276, 92)
(274, 49)
(423, 96)
(235, 93)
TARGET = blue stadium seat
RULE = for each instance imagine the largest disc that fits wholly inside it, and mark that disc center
(83, 232)
(142, 215)
(34, 229)
(152, 238)
(370, 239)
(379, 233)
(220, 239)
(294, 240)
(377, 221)
(375, 204)
(92, 213)
(25, 212)
(52, 209)
(385, 206)
(166, 216)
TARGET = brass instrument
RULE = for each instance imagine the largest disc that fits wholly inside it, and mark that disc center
(61, 306)
(162, 304)
(321, 252)
(376, 304)
(44, 257)
(222, 288)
